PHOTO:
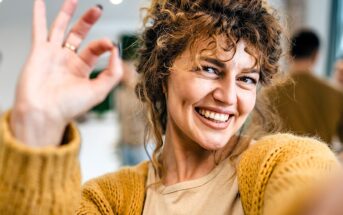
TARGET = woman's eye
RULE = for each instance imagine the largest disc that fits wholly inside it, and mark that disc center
(210, 70)
(248, 80)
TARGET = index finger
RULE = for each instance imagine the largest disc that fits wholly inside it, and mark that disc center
(39, 28)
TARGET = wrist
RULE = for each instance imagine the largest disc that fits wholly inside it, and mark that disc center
(35, 127)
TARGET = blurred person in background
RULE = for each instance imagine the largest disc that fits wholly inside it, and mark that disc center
(130, 110)
(306, 104)
(337, 80)
(338, 73)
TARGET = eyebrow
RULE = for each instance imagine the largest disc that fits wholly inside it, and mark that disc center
(214, 61)
(253, 70)
(222, 65)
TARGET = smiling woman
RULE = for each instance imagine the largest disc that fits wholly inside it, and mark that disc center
(202, 61)
(201, 64)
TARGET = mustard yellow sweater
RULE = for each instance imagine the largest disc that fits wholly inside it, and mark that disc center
(275, 177)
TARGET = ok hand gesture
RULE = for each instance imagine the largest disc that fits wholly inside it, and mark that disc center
(54, 86)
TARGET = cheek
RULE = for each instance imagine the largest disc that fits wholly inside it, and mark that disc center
(247, 100)
(188, 92)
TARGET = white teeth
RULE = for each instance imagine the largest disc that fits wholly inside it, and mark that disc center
(222, 117)
(215, 116)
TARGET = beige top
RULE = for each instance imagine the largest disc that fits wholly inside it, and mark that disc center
(215, 193)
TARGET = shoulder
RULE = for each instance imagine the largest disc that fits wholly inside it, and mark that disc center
(279, 166)
(127, 176)
(324, 85)
(288, 143)
(112, 191)
(276, 149)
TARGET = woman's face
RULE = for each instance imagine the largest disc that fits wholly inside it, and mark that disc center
(208, 105)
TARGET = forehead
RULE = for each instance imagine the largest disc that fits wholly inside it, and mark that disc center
(222, 49)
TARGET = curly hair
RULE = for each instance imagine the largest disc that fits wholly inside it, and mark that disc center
(172, 26)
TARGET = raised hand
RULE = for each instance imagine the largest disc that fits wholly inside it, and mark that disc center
(54, 86)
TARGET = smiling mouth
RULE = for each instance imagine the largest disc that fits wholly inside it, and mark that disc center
(213, 116)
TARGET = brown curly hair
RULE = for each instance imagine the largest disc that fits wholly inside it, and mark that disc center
(171, 26)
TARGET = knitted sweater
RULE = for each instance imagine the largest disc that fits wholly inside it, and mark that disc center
(275, 176)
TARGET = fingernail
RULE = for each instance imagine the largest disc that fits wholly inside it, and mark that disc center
(100, 6)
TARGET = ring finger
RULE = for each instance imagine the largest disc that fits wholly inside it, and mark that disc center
(80, 30)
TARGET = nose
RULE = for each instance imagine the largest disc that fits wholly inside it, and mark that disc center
(226, 91)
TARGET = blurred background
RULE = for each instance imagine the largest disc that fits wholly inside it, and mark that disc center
(101, 128)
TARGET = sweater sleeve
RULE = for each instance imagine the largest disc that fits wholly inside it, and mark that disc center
(279, 173)
(38, 180)
(121, 192)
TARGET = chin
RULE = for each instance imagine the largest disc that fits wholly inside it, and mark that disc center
(214, 144)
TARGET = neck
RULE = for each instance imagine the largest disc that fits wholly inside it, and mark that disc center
(185, 160)
(302, 65)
